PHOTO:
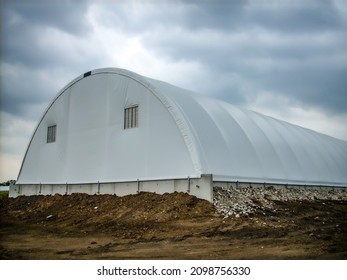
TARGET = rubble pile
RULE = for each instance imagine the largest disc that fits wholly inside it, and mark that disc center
(246, 200)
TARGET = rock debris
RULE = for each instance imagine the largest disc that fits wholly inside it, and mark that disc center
(245, 200)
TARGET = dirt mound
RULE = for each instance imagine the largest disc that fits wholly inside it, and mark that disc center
(106, 213)
(276, 225)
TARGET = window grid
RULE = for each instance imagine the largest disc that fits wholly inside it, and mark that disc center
(131, 117)
(51, 133)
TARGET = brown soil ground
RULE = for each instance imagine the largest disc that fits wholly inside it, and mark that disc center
(169, 226)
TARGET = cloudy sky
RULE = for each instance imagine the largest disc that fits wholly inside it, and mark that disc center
(286, 59)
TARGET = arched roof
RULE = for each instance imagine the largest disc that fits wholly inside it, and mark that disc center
(232, 143)
(239, 144)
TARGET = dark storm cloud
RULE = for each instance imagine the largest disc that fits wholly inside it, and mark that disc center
(144, 16)
(68, 16)
(324, 88)
(40, 42)
(295, 16)
(283, 16)
(25, 89)
(224, 15)
(219, 15)
(26, 24)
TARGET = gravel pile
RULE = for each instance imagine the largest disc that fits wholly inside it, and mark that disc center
(245, 200)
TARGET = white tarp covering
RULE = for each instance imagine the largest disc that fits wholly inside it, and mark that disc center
(180, 134)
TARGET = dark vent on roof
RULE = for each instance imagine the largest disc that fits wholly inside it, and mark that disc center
(87, 74)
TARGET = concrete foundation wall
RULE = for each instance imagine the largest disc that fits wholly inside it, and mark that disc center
(200, 187)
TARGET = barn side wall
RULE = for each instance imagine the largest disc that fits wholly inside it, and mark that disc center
(199, 187)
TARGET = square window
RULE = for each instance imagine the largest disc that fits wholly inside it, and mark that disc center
(51, 133)
(131, 117)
